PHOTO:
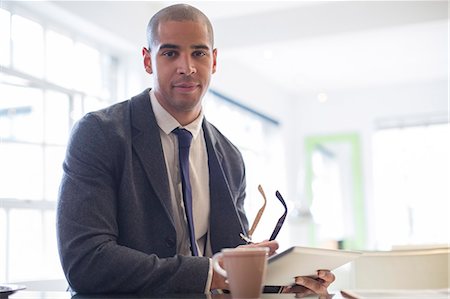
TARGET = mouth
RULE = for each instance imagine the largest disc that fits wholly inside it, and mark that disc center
(186, 87)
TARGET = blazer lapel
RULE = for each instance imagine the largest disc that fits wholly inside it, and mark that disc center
(147, 144)
(225, 224)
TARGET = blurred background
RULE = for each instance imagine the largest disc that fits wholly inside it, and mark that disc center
(341, 106)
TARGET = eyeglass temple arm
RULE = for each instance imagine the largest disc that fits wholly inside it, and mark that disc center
(259, 214)
(282, 218)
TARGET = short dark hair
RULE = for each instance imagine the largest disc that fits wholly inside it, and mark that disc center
(180, 13)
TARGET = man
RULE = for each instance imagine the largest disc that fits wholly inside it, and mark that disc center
(124, 220)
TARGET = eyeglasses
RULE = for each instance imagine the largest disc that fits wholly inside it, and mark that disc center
(248, 237)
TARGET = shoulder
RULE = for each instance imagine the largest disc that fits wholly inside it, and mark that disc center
(114, 119)
(111, 113)
(102, 125)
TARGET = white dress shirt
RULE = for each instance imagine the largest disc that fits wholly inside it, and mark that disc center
(199, 177)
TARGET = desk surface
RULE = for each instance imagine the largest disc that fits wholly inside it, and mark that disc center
(380, 294)
(67, 295)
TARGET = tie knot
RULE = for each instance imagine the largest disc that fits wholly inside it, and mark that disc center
(184, 137)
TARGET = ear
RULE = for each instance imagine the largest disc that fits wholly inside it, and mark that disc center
(147, 60)
(214, 66)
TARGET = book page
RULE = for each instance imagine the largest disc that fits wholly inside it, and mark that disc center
(304, 261)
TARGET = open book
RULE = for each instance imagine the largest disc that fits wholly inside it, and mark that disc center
(304, 261)
(396, 294)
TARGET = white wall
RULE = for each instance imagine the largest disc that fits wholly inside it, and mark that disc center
(252, 88)
(346, 111)
(349, 111)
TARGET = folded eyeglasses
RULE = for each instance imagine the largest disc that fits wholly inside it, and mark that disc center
(248, 237)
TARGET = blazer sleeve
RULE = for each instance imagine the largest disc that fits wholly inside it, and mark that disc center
(88, 233)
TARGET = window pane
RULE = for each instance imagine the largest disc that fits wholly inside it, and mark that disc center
(3, 244)
(110, 77)
(253, 136)
(28, 46)
(21, 116)
(93, 104)
(57, 111)
(327, 201)
(53, 267)
(77, 109)
(4, 37)
(21, 171)
(59, 59)
(87, 69)
(26, 245)
(54, 157)
(411, 192)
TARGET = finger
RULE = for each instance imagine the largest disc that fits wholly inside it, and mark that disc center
(300, 291)
(326, 276)
(272, 245)
(312, 284)
(218, 282)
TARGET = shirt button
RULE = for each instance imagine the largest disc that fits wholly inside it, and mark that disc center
(170, 242)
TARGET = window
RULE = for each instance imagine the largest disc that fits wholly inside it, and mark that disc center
(28, 46)
(49, 80)
(333, 185)
(258, 138)
(4, 37)
(60, 68)
(328, 193)
(411, 179)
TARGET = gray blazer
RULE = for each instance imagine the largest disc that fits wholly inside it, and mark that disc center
(114, 220)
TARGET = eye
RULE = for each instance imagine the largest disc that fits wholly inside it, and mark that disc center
(199, 53)
(169, 53)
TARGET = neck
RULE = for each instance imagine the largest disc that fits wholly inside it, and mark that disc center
(185, 118)
(184, 113)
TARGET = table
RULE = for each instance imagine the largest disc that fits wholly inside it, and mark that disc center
(66, 295)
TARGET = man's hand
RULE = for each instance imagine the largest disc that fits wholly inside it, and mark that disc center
(305, 286)
(218, 282)
(272, 245)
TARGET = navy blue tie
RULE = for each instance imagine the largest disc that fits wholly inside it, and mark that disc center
(184, 143)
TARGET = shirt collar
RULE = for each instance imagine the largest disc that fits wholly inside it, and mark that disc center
(168, 123)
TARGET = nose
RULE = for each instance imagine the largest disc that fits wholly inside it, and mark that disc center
(186, 65)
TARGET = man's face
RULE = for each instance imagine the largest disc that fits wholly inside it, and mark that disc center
(182, 61)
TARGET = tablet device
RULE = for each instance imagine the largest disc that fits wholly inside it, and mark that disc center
(304, 261)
